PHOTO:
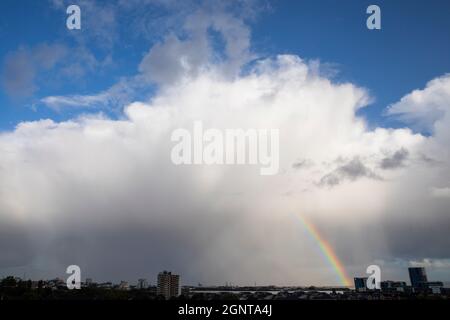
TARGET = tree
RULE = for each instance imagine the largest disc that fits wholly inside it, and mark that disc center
(8, 282)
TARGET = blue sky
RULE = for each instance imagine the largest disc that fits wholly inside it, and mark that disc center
(411, 48)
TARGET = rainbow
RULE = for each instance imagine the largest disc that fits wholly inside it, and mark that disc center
(327, 251)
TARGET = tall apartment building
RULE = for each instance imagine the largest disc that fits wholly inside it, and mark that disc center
(168, 284)
(418, 277)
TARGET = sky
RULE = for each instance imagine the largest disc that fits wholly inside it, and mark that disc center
(86, 117)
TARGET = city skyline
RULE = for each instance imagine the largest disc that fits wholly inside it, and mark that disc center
(142, 283)
(168, 287)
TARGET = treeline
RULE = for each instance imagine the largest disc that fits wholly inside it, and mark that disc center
(12, 289)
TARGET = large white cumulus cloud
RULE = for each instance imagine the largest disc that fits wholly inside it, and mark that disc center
(428, 108)
(104, 193)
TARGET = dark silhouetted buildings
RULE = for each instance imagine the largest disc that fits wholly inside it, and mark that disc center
(360, 284)
(418, 277)
(393, 286)
(142, 284)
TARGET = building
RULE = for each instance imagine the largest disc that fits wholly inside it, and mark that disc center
(142, 284)
(393, 286)
(105, 285)
(168, 284)
(418, 277)
(185, 291)
(360, 284)
(435, 286)
(123, 285)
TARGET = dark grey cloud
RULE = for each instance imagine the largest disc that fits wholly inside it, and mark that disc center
(428, 160)
(129, 249)
(396, 160)
(413, 234)
(349, 171)
(16, 247)
(302, 163)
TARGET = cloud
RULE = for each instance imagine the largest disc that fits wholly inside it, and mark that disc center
(104, 193)
(16, 233)
(57, 102)
(440, 192)
(20, 67)
(99, 22)
(174, 58)
(396, 160)
(116, 96)
(46, 63)
(427, 107)
(431, 263)
(18, 74)
(187, 51)
(351, 170)
(302, 163)
(171, 60)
